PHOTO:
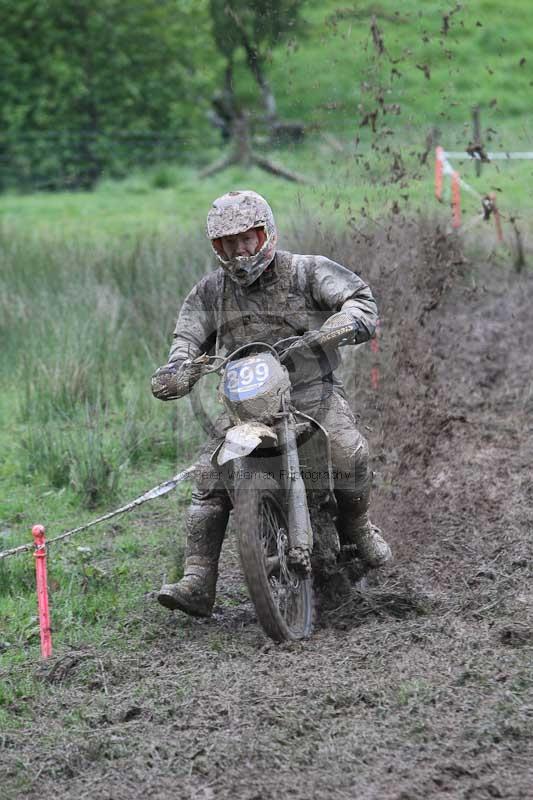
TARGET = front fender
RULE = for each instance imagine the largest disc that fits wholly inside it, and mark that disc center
(243, 439)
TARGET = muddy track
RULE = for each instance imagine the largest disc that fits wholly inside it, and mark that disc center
(421, 687)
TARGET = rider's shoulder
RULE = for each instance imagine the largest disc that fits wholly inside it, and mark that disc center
(208, 286)
(309, 263)
(296, 260)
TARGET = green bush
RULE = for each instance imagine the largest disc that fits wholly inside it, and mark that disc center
(66, 119)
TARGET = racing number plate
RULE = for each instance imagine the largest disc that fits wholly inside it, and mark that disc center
(244, 378)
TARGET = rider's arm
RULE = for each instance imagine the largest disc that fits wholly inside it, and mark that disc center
(195, 329)
(194, 334)
(335, 288)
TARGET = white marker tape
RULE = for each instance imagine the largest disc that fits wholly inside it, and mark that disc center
(463, 156)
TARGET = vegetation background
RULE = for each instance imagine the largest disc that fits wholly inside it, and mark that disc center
(106, 121)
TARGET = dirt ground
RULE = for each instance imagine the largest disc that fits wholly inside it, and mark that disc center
(422, 686)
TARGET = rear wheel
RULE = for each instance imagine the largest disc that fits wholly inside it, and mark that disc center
(282, 596)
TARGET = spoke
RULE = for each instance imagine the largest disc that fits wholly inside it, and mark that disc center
(266, 533)
(280, 576)
(262, 536)
(272, 521)
(269, 529)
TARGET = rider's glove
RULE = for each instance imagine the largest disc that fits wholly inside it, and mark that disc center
(339, 329)
(177, 378)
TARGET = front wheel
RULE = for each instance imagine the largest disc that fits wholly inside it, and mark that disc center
(283, 597)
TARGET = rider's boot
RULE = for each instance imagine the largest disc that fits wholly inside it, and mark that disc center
(355, 528)
(205, 527)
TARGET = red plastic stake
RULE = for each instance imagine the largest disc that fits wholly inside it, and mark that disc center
(438, 172)
(42, 590)
(456, 200)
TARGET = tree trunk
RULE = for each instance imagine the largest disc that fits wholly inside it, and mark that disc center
(243, 155)
(255, 64)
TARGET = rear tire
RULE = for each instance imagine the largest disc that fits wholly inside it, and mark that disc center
(282, 596)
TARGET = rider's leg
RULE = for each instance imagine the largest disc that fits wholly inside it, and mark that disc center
(353, 479)
(205, 526)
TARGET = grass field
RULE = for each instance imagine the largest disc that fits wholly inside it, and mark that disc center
(483, 57)
(343, 184)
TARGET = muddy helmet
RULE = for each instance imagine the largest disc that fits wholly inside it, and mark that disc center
(237, 212)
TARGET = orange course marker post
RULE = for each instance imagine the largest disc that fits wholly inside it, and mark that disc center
(456, 200)
(42, 590)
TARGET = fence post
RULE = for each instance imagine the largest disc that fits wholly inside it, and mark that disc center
(476, 128)
(42, 590)
(497, 220)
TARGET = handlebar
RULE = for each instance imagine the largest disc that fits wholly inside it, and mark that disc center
(279, 350)
(211, 367)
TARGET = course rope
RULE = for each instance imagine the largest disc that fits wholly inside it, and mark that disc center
(152, 494)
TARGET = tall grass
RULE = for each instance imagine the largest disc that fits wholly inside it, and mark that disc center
(83, 327)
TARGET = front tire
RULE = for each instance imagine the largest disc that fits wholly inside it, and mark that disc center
(282, 596)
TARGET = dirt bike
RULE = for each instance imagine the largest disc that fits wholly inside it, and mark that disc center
(275, 462)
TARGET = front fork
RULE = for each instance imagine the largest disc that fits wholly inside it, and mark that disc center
(300, 531)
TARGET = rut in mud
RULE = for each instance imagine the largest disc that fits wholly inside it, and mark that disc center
(421, 687)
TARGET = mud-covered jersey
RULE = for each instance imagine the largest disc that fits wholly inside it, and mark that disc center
(295, 294)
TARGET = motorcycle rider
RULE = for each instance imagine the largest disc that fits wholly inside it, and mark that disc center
(260, 293)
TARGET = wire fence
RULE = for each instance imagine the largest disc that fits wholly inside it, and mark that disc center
(63, 159)
(77, 159)
(37, 160)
